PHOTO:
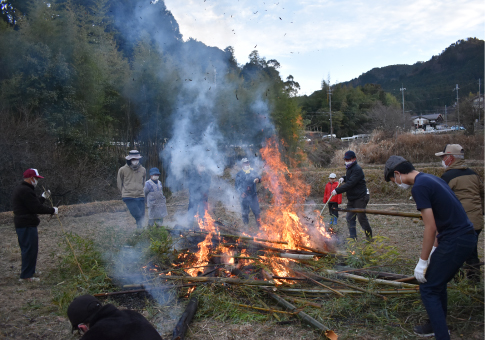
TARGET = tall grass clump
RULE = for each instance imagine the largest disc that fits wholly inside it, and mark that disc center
(415, 148)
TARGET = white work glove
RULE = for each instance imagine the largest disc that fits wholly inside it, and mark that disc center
(420, 270)
(341, 180)
(256, 180)
(46, 194)
(56, 210)
(432, 250)
(333, 193)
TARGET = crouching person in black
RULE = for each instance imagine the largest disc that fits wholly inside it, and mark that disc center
(246, 180)
(98, 322)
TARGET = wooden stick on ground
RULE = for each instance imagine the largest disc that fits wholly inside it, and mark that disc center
(378, 281)
(183, 323)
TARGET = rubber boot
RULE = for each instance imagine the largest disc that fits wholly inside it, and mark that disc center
(331, 221)
(368, 235)
(335, 220)
(352, 233)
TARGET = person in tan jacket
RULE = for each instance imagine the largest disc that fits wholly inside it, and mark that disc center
(131, 182)
(468, 187)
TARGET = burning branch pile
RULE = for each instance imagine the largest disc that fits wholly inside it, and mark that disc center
(291, 258)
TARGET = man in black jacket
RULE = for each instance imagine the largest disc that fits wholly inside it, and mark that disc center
(98, 322)
(357, 195)
(26, 206)
(246, 180)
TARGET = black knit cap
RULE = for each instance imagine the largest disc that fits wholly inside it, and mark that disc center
(82, 309)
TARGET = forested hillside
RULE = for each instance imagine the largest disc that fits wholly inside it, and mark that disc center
(81, 79)
(429, 85)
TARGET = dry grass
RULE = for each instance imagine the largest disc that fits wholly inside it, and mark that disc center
(415, 148)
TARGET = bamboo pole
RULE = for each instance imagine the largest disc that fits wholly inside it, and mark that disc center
(220, 280)
(378, 281)
(305, 317)
(297, 256)
(346, 291)
(306, 302)
(349, 285)
(381, 212)
(230, 236)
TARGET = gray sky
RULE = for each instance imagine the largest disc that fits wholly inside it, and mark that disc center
(313, 39)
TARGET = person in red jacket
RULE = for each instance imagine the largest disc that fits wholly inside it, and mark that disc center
(334, 201)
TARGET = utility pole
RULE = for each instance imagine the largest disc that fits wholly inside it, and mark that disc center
(402, 89)
(457, 103)
(330, 105)
(446, 118)
(479, 100)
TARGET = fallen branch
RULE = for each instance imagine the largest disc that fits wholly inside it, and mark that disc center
(266, 309)
(302, 315)
(220, 280)
(183, 323)
(346, 291)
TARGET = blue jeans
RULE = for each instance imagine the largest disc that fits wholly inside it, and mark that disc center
(445, 263)
(136, 206)
(29, 247)
(251, 202)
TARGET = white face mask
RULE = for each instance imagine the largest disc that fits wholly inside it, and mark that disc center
(34, 182)
(444, 164)
(155, 178)
(349, 162)
(403, 186)
(135, 162)
(246, 167)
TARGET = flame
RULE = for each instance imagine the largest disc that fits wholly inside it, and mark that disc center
(289, 191)
(206, 224)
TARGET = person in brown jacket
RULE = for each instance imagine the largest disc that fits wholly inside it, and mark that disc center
(468, 187)
(131, 182)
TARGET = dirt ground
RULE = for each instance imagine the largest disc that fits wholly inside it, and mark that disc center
(27, 310)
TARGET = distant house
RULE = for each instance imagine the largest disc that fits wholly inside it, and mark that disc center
(478, 101)
(420, 122)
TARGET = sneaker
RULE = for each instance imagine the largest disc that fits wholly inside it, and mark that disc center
(30, 279)
(425, 330)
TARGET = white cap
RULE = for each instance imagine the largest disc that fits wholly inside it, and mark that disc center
(332, 175)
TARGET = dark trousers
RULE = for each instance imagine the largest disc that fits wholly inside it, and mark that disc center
(445, 263)
(197, 205)
(251, 202)
(473, 260)
(332, 208)
(351, 217)
(29, 247)
(136, 206)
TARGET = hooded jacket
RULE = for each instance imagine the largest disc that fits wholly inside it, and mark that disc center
(131, 182)
(468, 187)
(354, 183)
(110, 323)
(26, 206)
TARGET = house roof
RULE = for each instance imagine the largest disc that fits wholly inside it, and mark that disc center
(429, 117)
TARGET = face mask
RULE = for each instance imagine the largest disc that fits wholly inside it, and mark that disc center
(134, 163)
(34, 182)
(444, 164)
(403, 186)
(155, 178)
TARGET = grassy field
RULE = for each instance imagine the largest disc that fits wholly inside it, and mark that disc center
(100, 232)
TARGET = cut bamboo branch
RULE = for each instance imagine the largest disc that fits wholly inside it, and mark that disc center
(302, 315)
(265, 309)
(318, 283)
(378, 281)
(406, 279)
(306, 302)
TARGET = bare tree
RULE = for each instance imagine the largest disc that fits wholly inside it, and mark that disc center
(388, 119)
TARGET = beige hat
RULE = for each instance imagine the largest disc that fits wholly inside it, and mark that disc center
(451, 149)
(134, 154)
